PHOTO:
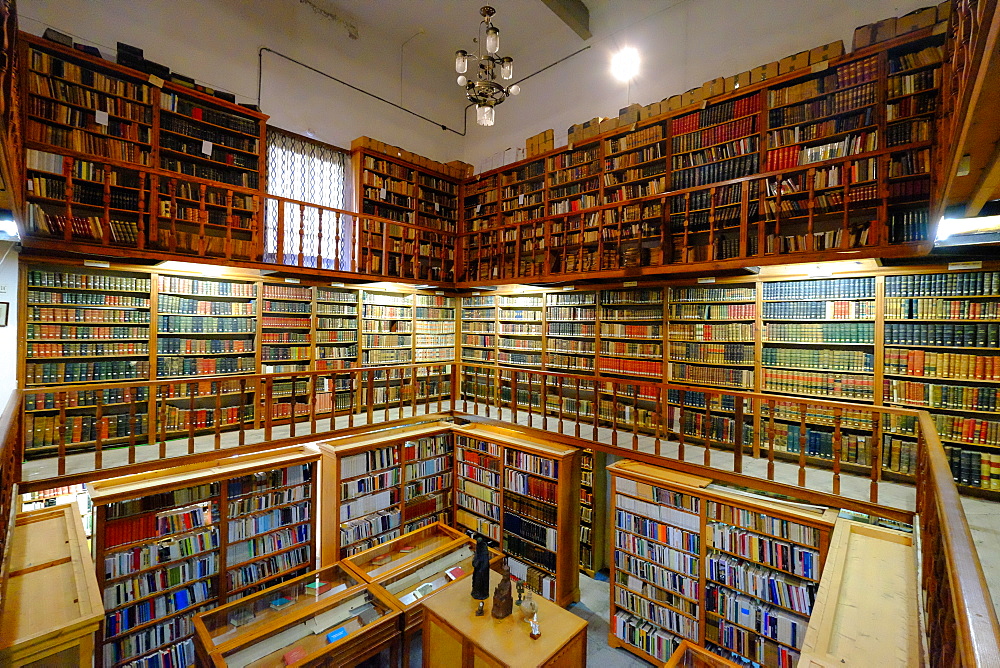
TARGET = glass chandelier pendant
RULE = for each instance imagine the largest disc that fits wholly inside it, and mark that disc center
(484, 115)
(481, 86)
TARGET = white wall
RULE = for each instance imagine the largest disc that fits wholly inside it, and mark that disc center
(8, 334)
(683, 43)
(217, 42)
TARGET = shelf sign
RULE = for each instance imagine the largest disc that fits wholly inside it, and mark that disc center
(292, 280)
(707, 279)
(101, 117)
(955, 266)
(439, 292)
(96, 263)
(568, 287)
(520, 200)
(630, 284)
(206, 147)
(336, 285)
(383, 194)
(155, 81)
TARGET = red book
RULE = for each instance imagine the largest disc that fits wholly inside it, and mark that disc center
(294, 655)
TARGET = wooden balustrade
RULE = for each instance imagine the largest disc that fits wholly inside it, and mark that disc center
(10, 475)
(171, 419)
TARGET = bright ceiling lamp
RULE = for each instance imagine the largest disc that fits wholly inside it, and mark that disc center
(483, 88)
(625, 64)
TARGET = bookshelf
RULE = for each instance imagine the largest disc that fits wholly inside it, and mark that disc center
(75, 319)
(336, 328)
(384, 486)
(593, 490)
(181, 541)
(828, 160)
(386, 328)
(478, 328)
(204, 327)
(694, 561)
(630, 338)
(521, 493)
(434, 328)
(286, 323)
(519, 330)
(570, 331)
(425, 206)
(197, 218)
(716, 325)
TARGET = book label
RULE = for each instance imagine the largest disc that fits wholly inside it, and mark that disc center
(155, 81)
(336, 634)
(955, 266)
(96, 263)
(630, 284)
(707, 279)
(101, 117)
(292, 280)
(206, 147)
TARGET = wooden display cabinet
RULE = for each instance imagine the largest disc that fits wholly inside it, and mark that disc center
(326, 617)
(49, 546)
(415, 566)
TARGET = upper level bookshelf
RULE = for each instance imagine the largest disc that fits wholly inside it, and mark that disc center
(119, 158)
(811, 164)
(400, 191)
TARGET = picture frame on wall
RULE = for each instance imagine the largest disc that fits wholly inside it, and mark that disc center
(4, 311)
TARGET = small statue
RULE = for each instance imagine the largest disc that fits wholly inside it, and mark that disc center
(528, 606)
(536, 631)
(520, 592)
(503, 601)
(481, 574)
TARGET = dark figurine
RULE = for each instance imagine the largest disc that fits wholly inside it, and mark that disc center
(503, 600)
(520, 592)
(481, 574)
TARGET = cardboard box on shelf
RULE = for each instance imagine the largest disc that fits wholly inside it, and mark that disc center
(743, 79)
(609, 124)
(650, 111)
(713, 87)
(863, 36)
(915, 20)
(692, 96)
(573, 133)
(826, 52)
(629, 115)
(764, 72)
(793, 62)
(671, 103)
(885, 29)
(943, 11)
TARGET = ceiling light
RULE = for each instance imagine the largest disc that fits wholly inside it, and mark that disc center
(483, 89)
(625, 64)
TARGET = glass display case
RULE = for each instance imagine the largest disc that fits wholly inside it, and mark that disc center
(412, 548)
(328, 616)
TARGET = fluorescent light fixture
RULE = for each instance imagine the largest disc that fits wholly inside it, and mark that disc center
(625, 64)
(8, 228)
(949, 227)
(194, 268)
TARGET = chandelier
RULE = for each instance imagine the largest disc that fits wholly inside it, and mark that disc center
(483, 88)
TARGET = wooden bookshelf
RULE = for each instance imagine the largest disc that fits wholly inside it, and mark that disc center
(683, 567)
(523, 493)
(812, 164)
(382, 486)
(116, 160)
(593, 491)
(179, 541)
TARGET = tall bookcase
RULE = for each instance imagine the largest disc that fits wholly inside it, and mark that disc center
(693, 561)
(382, 486)
(478, 328)
(521, 492)
(519, 330)
(176, 542)
(118, 159)
(286, 323)
(830, 159)
(570, 331)
(593, 489)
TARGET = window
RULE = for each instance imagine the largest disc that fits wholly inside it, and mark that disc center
(310, 173)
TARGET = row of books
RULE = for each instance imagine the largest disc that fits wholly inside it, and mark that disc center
(806, 332)
(941, 309)
(943, 285)
(819, 384)
(776, 554)
(247, 574)
(712, 353)
(941, 364)
(41, 350)
(761, 582)
(197, 366)
(949, 397)
(977, 335)
(711, 375)
(825, 358)
(49, 373)
(821, 310)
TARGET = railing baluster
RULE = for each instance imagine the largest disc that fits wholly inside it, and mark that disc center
(294, 395)
(355, 386)
(837, 447)
(162, 426)
(62, 430)
(242, 410)
(513, 398)
(876, 451)
(802, 444)
(738, 435)
(706, 429)
(561, 426)
(596, 408)
(614, 414)
(681, 410)
(98, 418)
(543, 402)
(267, 387)
(531, 394)
(192, 393)
(132, 426)
(635, 417)
(658, 418)
(770, 438)
(313, 382)
(371, 395)
(218, 411)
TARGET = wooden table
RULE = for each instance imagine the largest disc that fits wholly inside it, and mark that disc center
(53, 605)
(453, 636)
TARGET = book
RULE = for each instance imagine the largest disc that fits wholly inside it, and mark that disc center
(454, 573)
(293, 655)
(281, 603)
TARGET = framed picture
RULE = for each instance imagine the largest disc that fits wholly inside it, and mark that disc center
(4, 309)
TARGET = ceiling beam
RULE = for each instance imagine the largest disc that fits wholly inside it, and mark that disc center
(574, 14)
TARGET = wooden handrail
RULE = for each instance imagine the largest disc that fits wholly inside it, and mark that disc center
(10, 475)
(960, 613)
